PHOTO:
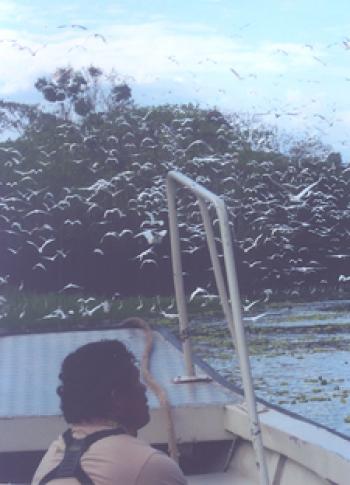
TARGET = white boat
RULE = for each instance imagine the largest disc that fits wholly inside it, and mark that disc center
(224, 435)
(210, 417)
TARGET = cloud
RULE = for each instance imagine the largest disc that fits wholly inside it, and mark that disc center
(7, 9)
(183, 59)
(13, 11)
(192, 58)
(144, 51)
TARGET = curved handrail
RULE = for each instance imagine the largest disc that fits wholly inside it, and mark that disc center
(230, 299)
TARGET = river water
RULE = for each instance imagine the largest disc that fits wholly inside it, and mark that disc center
(300, 358)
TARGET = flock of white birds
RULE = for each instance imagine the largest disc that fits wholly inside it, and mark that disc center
(290, 217)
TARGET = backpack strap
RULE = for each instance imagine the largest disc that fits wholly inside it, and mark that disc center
(70, 466)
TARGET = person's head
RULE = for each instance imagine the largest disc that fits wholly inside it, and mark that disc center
(101, 381)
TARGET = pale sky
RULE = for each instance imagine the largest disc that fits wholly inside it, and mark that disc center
(286, 62)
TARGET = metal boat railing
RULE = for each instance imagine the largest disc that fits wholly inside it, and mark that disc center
(230, 299)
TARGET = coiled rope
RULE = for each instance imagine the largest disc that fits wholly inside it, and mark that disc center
(136, 322)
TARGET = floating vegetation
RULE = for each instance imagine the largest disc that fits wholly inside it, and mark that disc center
(302, 368)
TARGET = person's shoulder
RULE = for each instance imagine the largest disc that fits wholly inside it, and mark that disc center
(123, 445)
(49, 460)
(159, 469)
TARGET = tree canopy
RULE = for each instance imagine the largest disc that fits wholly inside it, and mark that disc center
(83, 201)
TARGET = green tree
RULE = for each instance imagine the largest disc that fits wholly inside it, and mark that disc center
(76, 94)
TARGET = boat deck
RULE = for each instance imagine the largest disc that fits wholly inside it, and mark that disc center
(205, 413)
(29, 368)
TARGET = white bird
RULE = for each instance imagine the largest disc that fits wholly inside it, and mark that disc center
(106, 306)
(148, 262)
(58, 313)
(191, 250)
(43, 246)
(238, 76)
(70, 286)
(89, 313)
(115, 210)
(147, 252)
(254, 244)
(100, 36)
(71, 222)
(13, 251)
(39, 266)
(197, 291)
(152, 236)
(23, 312)
(250, 305)
(72, 26)
(268, 292)
(302, 193)
(254, 263)
(86, 300)
(4, 279)
(171, 304)
(140, 305)
(35, 211)
(151, 221)
(110, 234)
(153, 308)
(125, 232)
(61, 253)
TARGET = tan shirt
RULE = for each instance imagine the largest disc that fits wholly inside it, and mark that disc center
(115, 460)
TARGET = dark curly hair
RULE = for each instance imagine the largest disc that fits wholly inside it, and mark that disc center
(89, 375)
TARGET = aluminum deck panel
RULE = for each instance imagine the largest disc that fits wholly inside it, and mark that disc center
(30, 364)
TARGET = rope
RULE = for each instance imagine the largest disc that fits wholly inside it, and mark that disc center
(159, 391)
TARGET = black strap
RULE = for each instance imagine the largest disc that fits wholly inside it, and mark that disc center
(70, 466)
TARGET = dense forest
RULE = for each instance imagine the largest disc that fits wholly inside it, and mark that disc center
(83, 203)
